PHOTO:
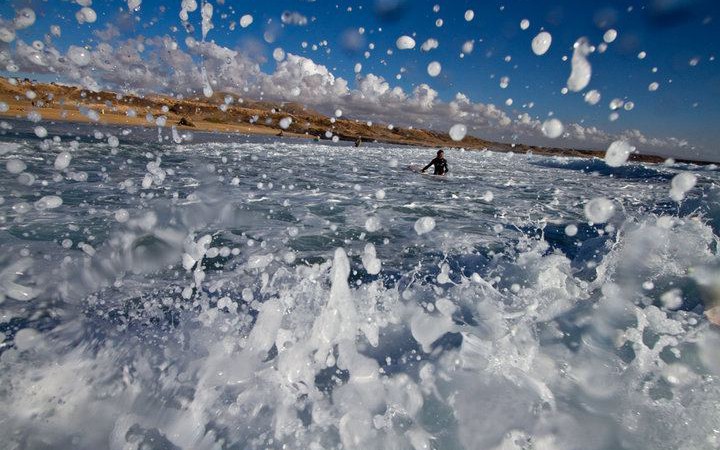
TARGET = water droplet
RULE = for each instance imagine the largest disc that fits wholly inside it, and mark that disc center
(458, 132)
(552, 128)
(434, 69)
(405, 43)
(541, 43)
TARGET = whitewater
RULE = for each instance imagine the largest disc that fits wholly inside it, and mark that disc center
(231, 292)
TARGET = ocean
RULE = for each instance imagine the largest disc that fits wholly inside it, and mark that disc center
(233, 292)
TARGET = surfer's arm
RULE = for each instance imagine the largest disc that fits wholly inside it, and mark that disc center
(426, 167)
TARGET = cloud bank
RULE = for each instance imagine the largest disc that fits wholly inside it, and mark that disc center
(162, 64)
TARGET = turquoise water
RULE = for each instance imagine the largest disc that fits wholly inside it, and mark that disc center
(242, 293)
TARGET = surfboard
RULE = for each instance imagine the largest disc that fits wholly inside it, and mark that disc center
(418, 169)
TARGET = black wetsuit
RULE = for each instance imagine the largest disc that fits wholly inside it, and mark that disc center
(441, 167)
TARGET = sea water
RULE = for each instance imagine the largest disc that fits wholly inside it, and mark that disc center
(232, 293)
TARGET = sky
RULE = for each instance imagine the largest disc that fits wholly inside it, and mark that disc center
(343, 55)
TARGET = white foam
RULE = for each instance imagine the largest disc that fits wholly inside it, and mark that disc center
(62, 161)
(457, 132)
(244, 336)
(370, 261)
(424, 225)
(405, 43)
(618, 153)
(681, 184)
(599, 210)
(592, 97)
(206, 11)
(24, 18)
(40, 132)
(610, 35)
(49, 202)
(285, 123)
(541, 43)
(86, 15)
(15, 166)
(246, 20)
(372, 224)
(552, 128)
(581, 68)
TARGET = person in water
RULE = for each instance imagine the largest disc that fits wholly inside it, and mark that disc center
(440, 163)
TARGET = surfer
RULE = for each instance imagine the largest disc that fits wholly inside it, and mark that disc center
(440, 163)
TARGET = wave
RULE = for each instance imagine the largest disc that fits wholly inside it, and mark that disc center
(246, 315)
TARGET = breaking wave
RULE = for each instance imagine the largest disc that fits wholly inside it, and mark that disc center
(283, 295)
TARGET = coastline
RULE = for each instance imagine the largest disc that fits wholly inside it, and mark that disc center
(72, 104)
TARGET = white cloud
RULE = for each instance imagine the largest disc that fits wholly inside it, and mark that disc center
(424, 97)
(161, 64)
(430, 44)
(109, 33)
(298, 76)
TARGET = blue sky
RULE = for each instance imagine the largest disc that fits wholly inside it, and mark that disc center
(670, 32)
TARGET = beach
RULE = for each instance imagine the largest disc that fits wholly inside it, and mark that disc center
(225, 114)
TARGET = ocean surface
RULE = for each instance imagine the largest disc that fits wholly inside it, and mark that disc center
(232, 292)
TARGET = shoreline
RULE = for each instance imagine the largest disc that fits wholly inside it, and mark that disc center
(69, 104)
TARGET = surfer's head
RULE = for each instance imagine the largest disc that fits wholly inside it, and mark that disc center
(440, 153)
